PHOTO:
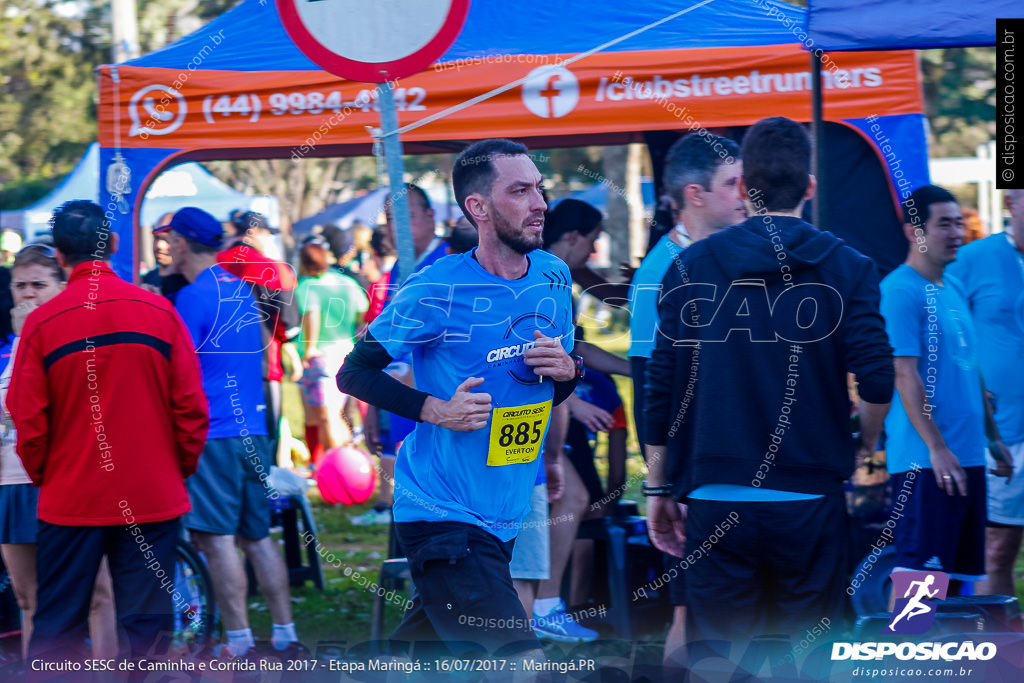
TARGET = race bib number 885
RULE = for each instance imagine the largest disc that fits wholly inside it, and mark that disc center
(517, 433)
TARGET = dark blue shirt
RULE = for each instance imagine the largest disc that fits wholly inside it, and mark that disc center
(221, 315)
(6, 348)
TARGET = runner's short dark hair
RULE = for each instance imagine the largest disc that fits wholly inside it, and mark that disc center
(777, 163)
(568, 216)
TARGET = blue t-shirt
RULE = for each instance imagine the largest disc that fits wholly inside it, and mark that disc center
(458, 320)
(435, 251)
(992, 272)
(645, 294)
(933, 324)
(226, 327)
(6, 349)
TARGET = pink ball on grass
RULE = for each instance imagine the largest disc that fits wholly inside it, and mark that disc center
(345, 475)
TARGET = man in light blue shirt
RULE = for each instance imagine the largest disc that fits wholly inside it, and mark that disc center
(936, 430)
(992, 272)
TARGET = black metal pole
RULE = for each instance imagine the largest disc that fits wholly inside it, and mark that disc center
(818, 134)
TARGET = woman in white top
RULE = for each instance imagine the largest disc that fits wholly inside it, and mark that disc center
(35, 279)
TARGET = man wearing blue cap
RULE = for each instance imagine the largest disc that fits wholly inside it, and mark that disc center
(229, 491)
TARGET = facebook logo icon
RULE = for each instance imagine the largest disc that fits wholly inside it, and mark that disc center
(551, 92)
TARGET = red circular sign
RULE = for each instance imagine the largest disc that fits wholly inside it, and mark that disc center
(355, 40)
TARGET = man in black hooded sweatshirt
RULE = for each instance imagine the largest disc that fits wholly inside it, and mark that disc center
(748, 411)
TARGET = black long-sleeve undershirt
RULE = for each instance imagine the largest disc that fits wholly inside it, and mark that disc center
(363, 376)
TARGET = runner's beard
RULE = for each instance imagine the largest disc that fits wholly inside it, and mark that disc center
(519, 241)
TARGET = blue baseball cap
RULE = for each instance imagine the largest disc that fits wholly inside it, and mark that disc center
(195, 224)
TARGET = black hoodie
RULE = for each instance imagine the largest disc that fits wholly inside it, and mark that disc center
(760, 324)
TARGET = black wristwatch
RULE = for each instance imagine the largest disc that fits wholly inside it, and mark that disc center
(581, 370)
(665, 490)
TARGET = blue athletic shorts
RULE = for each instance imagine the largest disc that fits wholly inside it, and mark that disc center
(939, 531)
(229, 491)
(18, 520)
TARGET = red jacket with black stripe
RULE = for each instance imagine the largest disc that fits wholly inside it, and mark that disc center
(107, 398)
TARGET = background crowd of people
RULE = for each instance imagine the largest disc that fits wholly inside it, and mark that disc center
(741, 401)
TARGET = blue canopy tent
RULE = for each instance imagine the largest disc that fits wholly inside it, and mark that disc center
(210, 95)
(836, 25)
(368, 207)
(184, 185)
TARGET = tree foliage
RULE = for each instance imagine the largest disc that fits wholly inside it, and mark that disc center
(47, 94)
(959, 98)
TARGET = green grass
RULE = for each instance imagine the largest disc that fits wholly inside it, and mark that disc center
(342, 610)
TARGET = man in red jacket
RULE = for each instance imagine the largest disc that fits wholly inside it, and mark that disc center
(108, 401)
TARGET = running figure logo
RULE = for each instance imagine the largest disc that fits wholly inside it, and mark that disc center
(915, 611)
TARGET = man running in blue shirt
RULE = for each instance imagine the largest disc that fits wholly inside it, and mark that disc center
(489, 333)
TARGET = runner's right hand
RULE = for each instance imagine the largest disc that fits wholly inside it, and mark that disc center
(464, 412)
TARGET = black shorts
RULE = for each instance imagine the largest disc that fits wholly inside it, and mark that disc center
(939, 531)
(676, 580)
(763, 568)
(580, 455)
(464, 594)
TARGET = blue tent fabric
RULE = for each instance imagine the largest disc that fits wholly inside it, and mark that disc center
(907, 160)
(190, 184)
(368, 207)
(905, 24)
(250, 37)
(364, 208)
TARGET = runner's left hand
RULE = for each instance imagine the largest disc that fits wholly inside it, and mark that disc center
(549, 359)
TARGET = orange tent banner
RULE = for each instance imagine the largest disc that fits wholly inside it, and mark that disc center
(147, 107)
